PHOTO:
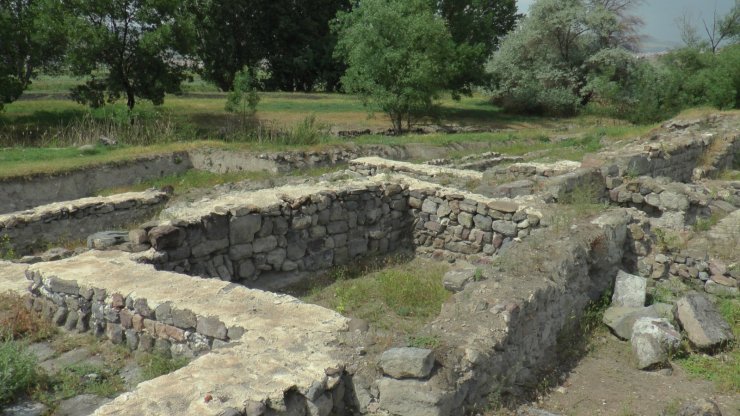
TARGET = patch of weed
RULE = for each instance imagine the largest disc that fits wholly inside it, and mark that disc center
(424, 341)
(7, 252)
(17, 321)
(155, 365)
(18, 373)
(80, 379)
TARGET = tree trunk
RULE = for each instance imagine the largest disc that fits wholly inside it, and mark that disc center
(131, 99)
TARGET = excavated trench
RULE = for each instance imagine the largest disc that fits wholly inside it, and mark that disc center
(500, 334)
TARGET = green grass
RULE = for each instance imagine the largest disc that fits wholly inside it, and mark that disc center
(401, 297)
(82, 379)
(155, 365)
(722, 369)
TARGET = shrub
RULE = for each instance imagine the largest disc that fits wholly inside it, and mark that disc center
(17, 370)
(17, 321)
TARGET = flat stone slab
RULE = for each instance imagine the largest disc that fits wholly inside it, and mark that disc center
(81, 405)
(428, 170)
(12, 277)
(286, 344)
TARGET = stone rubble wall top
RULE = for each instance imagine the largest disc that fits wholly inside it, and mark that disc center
(53, 210)
(286, 344)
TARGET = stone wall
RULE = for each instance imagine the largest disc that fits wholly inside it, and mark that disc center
(34, 229)
(266, 353)
(21, 193)
(506, 329)
(276, 237)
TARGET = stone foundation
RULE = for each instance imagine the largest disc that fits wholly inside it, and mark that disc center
(34, 229)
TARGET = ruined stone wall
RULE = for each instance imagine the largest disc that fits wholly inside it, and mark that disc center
(277, 244)
(283, 241)
(75, 220)
(507, 329)
(126, 319)
(21, 193)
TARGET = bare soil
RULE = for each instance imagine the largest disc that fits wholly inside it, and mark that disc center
(606, 382)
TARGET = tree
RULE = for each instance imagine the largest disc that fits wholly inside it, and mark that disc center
(477, 27)
(291, 39)
(243, 97)
(541, 66)
(400, 56)
(719, 29)
(31, 37)
(128, 47)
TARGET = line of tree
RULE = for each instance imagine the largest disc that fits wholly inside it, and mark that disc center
(144, 49)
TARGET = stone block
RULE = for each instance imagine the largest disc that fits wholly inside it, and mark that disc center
(166, 237)
(701, 320)
(212, 327)
(242, 229)
(413, 398)
(652, 341)
(629, 290)
(409, 362)
(183, 318)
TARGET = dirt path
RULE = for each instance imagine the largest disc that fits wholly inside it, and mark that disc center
(606, 383)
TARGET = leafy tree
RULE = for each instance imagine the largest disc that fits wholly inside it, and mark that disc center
(129, 47)
(301, 49)
(541, 66)
(31, 37)
(400, 56)
(291, 39)
(477, 27)
(230, 35)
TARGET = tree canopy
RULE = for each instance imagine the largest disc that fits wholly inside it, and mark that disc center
(399, 53)
(127, 47)
(31, 37)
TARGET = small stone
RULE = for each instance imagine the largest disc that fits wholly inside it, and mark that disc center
(456, 279)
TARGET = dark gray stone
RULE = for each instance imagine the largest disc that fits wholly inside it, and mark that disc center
(106, 239)
(211, 327)
(82, 405)
(407, 362)
(702, 322)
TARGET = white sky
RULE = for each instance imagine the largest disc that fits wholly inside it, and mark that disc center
(660, 15)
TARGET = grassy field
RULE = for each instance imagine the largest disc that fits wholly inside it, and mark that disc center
(41, 132)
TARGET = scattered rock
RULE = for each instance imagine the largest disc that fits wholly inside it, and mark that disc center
(72, 357)
(455, 280)
(413, 398)
(107, 239)
(533, 411)
(702, 322)
(82, 405)
(629, 290)
(25, 409)
(652, 340)
(407, 362)
(714, 288)
(701, 407)
(56, 253)
(42, 350)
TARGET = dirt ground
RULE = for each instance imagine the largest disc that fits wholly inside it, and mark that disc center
(606, 382)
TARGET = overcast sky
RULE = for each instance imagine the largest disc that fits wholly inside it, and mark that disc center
(660, 18)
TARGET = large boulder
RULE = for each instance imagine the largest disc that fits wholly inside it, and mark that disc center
(701, 320)
(456, 279)
(407, 362)
(629, 290)
(621, 319)
(652, 341)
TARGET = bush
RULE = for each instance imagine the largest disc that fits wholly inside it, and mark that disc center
(17, 321)
(17, 370)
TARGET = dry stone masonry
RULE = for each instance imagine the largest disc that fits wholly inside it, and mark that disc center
(277, 237)
(76, 219)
